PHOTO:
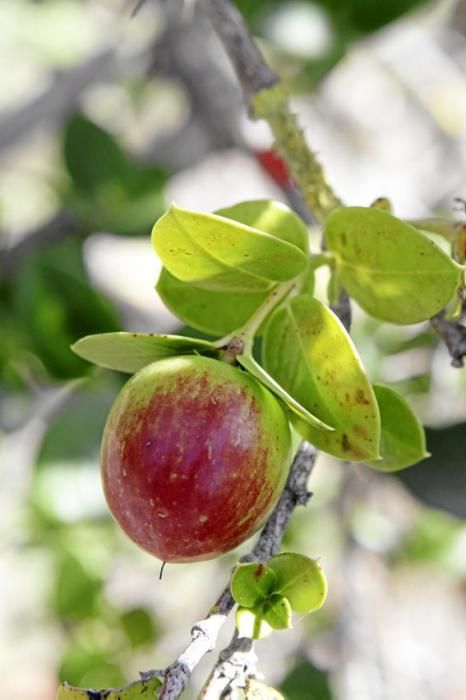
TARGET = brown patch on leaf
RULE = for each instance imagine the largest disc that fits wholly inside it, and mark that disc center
(259, 572)
(361, 397)
(360, 430)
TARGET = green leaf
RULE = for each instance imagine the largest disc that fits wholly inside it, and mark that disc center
(215, 253)
(251, 584)
(255, 690)
(220, 314)
(92, 155)
(139, 690)
(53, 301)
(251, 624)
(205, 310)
(270, 217)
(306, 681)
(300, 580)
(309, 353)
(392, 270)
(112, 192)
(77, 592)
(261, 375)
(138, 627)
(276, 612)
(130, 352)
(402, 440)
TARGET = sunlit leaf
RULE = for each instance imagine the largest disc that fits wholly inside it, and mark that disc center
(309, 353)
(219, 254)
(402, 439)
(301, 580)
(219, 314)
(130, 352)
(270, 217)
(391, 269)
(139, 690)
(251, 583)
(260, 374)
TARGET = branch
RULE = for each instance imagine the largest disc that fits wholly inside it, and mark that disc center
(266, 98)
(204, 633)
(59, 227)
(253, 74)
(57, 101)
(454, 336)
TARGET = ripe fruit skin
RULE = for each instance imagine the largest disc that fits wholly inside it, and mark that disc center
(195, 454)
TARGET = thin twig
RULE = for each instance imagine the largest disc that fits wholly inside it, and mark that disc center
(204, 633)
(228, 671)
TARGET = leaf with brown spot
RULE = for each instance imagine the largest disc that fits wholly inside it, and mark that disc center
(394, 272)
(309, 353)
(251, 584)
(220, 254)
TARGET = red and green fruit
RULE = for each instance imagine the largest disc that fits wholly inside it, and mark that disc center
(195, 454)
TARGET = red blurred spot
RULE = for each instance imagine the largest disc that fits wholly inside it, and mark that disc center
(274, 166)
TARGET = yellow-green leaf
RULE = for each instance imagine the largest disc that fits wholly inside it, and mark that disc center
(130, 352)
(217, 253)
(391, 269)
(300, 580)
(309, 353)
(264, 378)
(271, 217)
(402, 440)
(251, 583)
(139, 690)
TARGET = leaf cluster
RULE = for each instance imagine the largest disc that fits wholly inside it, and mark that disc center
(247, 272)
(266, 594)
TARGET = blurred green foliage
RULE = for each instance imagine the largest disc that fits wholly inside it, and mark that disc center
(306, 681)
(109, 190)
(350, 18)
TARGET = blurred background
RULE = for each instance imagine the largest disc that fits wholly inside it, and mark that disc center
(105, 118)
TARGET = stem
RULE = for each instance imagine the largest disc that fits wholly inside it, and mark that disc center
(321, 259)
(272, 105)
(243, 337)
(267, 99)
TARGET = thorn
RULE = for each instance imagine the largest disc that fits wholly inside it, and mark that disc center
(161, 570)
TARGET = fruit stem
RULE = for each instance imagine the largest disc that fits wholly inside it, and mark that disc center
(321, 259)
(240, 342)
